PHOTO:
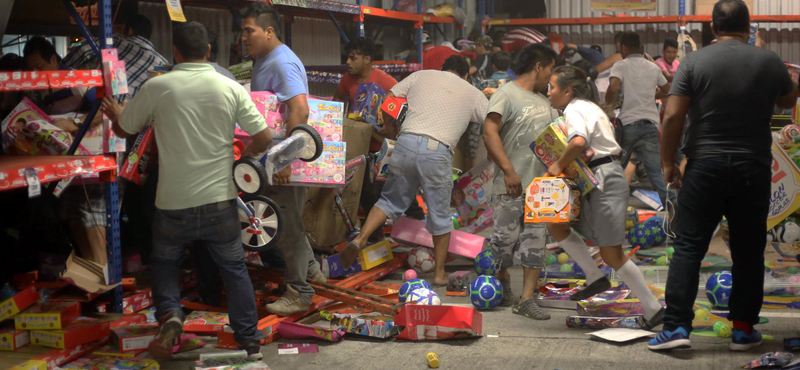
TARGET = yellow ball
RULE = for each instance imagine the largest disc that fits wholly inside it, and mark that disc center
(701, 315)
(563, 258)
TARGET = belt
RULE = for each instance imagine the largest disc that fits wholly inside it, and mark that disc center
(599, 162)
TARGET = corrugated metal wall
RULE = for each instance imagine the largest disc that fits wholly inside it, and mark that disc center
(783, 38)
(317, 42)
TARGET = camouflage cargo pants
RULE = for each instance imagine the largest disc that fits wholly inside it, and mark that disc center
(514, 242)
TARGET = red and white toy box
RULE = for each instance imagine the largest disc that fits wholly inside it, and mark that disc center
(134, 338)
(18, 303)
(12, 339)
(82, 330)
(424, 322)
(205, 322)
(137, 301)
(48, 316)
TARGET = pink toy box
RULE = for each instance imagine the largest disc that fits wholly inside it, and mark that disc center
(324, 116)
(326, 171)
(413, 231)
(472, 193)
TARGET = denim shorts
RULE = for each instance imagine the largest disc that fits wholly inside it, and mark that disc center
(420, 163)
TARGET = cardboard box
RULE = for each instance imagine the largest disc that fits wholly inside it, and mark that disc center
(137, 301)
(395, 107)
(87, 275)
(551, 144)
(112, 351)
(18, 303)
(472, 194)
(552, 200)
(424, 322)
(96, 362)
(648, 197)
(331, 268)
(12, 339)
(324, 116)
(58, 357)
(31, 365)
(326, 171)
(135, 167)
(321, 219)
(381, 167)
(376, 254)
(368, 325)
(414, 232)
(82, 330)
(205, 322)
(369, 98)
(48, 316)
(134, 338)
(706, 7)
(274, 113)
(136, 319)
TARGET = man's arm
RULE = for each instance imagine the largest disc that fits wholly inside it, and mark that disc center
(663, 91)
(252, 122)
(114, 112)
(494, 146)
(612, 95)
(608, 63)
(671, 129)
(259, 145)
(789, 100)
(298, 111)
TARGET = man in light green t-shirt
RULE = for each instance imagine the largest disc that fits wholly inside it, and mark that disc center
(193, 110)
(518, 112)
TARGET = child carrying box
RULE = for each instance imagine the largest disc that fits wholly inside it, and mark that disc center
(602, 218)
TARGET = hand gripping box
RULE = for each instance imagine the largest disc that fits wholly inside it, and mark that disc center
(552, 200)
(551, 144)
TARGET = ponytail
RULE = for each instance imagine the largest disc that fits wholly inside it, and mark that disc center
(575, 78)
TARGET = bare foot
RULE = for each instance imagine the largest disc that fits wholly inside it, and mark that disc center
(440, 281)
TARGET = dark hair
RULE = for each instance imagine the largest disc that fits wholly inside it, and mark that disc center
(532, 54)
(587, 67)
(497, 44)
(631, 40)
(575, 78)
(362, 46)
(618, 36)
(457, 64)
(212, 40)
(670, 43)
(596, 47)
(191, 40)
(731, 16)
(140, 25)
(39, 44)
(11, 62)
(264, 15)
(501, 60)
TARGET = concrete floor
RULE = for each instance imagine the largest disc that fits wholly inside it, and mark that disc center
(513, 342)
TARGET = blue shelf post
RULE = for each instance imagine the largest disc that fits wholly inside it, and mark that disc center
(419, 33)
(481, 14)
(360, 19)
(461, 28)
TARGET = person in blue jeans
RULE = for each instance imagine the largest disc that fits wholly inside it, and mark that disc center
(641, 83)
(728, 173)
(195, 200)
(440, 106)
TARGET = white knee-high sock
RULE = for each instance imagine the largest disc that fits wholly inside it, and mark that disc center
(577, 249)
(633, 277)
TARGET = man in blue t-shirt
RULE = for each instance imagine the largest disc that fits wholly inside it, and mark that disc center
(278, 70)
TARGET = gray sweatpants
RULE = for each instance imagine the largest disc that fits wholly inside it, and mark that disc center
(300, 262)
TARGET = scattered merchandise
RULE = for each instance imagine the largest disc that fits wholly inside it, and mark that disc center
(432, 360)
(587, 322)
(770, 359)
(95, 362)
(113, 351)
(57, 357)
(657, 226)
(485, 263)
(631, 218)
(134, 338)
(788, 232)
(410, 286)
(551, 144)
(421, 260)
(18, 303)
(641, 236)
(718, 288)
(648, 197)
(722, 329)
(438, 322)
(48, 316)
(137, 301)
(423, 296)
(471, 197)
(370, 325)
(331, 268)
(458, 284)
(791, 344)
(297, 348)
(621, 335)
(375, 255)
(409, 275)
(413, 231)
(610, 308)
(229, 364)
(485, 292)
(12, 339)
(205, 322)
(552, 200)
(293, 330)
(80, 331)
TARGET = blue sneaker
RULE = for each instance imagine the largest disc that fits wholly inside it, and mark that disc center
(678, 338)
(743, 342)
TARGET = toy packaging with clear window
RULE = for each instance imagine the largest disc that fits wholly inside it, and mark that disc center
(326, 171)
(552, 200)
(552, 143)
(472, 193)
(381, 166)
(369, 98)
(327, 117)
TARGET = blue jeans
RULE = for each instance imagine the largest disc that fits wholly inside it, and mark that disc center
(740, 190)
(216, 227)
(641, 138)
(419, 162)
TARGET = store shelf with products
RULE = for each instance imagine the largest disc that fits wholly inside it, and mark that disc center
(51, 168)
(596, 21)
(334, 73)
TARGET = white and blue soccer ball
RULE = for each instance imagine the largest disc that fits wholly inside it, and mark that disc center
(485, 292)
(424, 296)
(718, 288)
(785, 233)
(410, 286)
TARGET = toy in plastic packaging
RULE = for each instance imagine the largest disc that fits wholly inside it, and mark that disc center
(135, 167)
(292, 330)
(770, 360)
(369, 325)
(586, 322)
(552, 200)
(234, 363)
(95, 362)
(369, 97)
(471, 196)
(381, 166)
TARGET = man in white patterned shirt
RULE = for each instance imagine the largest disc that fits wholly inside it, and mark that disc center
(441, 105)
(135, 50)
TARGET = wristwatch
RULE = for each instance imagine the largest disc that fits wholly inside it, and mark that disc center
(77, 121)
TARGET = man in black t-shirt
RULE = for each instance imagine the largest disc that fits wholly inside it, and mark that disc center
(729, 91)
(482, 68)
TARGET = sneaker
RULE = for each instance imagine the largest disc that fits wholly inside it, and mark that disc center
(253, 349)
(289, 304)
(657, 320)
(317, 278)
(531, 310)
(509, 299)
(665, 340)
(170, 330)
(595, 288)
(743, 342)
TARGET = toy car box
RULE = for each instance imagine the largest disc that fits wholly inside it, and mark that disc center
(552, 200)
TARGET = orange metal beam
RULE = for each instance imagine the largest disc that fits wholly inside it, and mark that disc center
(434, 19)
(378, 12)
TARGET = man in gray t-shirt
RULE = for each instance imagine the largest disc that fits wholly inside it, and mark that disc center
(518, 112)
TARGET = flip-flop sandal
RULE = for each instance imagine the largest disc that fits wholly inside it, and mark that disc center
(531, 310)
(348, 255)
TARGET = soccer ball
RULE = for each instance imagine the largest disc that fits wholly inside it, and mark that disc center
(640, 235)
(485, 263)
(485, 292)
(656, 224)
(631, 218)
(718, 288)
(786, 233)
(410, 286)
(421, 260)
(424, 296)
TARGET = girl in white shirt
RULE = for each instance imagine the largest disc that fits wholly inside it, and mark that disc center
(602, 218)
